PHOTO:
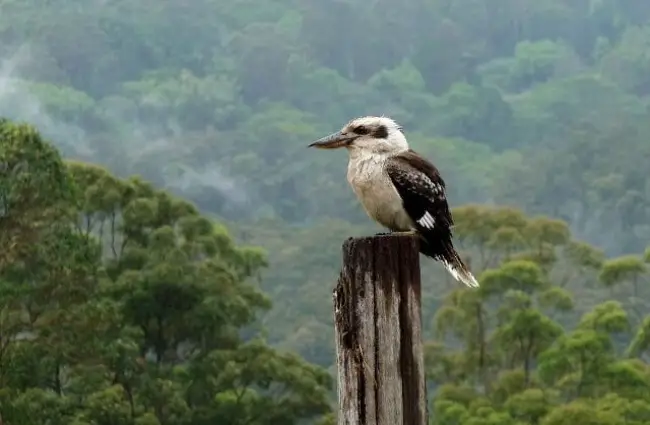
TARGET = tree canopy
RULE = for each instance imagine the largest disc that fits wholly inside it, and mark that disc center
(121, 304)
(543, 106)
(119, 291)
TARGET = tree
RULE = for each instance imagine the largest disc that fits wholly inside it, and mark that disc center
(509, 353)
(624, 63)
(34, 188)
(134, 308)
(531, 108)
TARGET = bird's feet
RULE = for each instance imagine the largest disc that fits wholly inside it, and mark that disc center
(406, 233)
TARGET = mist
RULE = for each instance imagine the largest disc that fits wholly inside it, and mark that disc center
(139, 143)
(536, 114)
(17, 102)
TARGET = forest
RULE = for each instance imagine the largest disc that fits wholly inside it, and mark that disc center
(168, 245)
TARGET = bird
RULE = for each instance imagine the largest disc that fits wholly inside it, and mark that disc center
(398, 188)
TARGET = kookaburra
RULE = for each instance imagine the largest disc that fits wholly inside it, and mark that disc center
(398, 188)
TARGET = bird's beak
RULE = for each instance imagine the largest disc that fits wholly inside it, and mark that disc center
(333, 141)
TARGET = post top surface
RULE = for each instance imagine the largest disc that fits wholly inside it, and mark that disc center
(381, 239)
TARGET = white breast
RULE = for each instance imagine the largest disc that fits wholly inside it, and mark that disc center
(375, 191)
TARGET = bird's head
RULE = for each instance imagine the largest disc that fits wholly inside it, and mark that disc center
(378, 135)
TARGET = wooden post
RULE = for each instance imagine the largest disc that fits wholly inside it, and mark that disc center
(378, 325)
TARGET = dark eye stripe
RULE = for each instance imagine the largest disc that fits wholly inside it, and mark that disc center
(381, 132)
(361, 130)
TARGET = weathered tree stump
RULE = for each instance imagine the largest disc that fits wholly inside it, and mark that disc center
(378, 325)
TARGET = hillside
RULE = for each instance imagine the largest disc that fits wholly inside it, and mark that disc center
(536, 107)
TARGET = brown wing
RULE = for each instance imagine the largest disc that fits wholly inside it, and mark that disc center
(422, 190)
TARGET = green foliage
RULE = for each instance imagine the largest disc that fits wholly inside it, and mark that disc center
(111, 289)
(131, 307)
(33, 189)
(546, 100)
(514, 353)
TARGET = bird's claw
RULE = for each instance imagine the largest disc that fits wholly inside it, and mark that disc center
(396, 233)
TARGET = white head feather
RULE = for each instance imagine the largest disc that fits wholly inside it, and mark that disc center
(378, 135)
(367, 136)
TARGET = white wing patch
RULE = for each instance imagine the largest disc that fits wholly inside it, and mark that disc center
(427, 221)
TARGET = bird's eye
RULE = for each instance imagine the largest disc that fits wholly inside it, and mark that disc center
(361, 130)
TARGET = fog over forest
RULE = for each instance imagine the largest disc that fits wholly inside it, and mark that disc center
(203, 294)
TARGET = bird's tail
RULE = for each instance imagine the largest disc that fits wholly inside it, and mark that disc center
(447, 255)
